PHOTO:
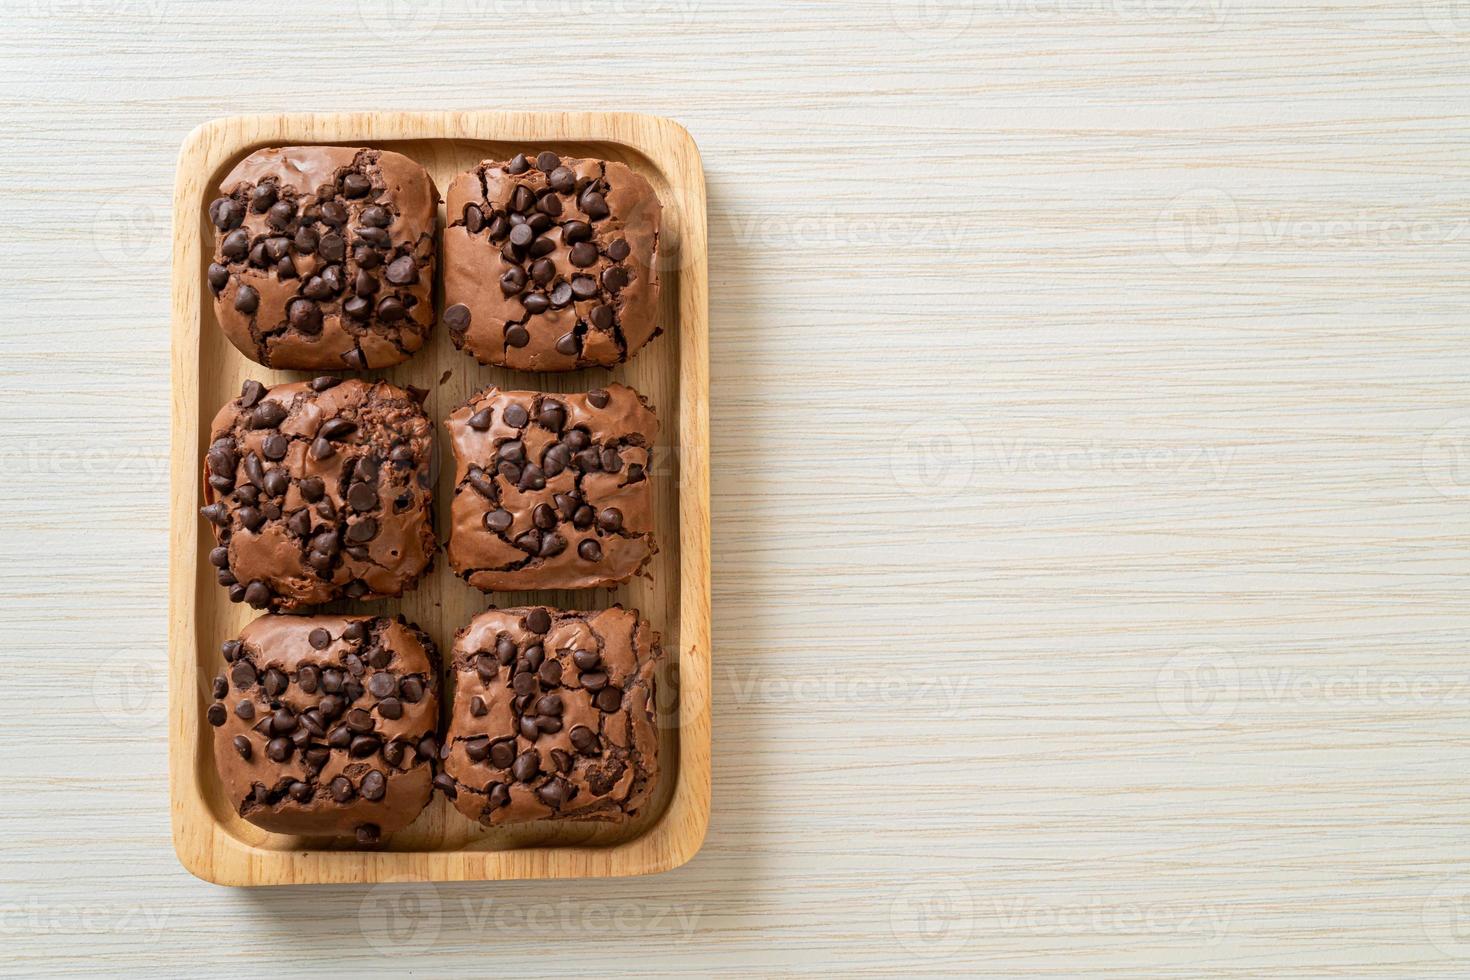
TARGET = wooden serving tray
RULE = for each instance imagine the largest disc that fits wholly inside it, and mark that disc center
(212, 841)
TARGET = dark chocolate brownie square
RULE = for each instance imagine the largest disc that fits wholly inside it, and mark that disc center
(324, 257)
(326, 725)
(319, 490)
(553, 716)
(551, 264)
(552, 491)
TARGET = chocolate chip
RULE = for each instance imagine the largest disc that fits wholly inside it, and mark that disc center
(609, 699)
(383, 685)
(478, 707)
(568, 344)
(216, 714)
(575, 231)
(538, 621)
(615, 278)
(341, 789)
(583, 254)
(584, 740)
(561, 294)
(391, 309)
(235, 245)
(312, 488)
(446, 785)
(610, 519)
(242, 746)
(319, 638)
(246, 300)
(517, 336)
(527, 766)
(280, 215)
(374, 785)
(562, 179)
(365, 745)
(602, 317)
(355, 185)
(474, 219)
(305, 316)
(275, 681)
(518, 164)
(516, 416)
(583, 287)
(457, 318)
(390, 708)
(589, 550)
(594, 205)
(279, 749)
(594, 680)
(598, 398)
(402, 271)
(411, 689)
(553, 793)
(362, 497)
(498, 521)
(522, 235)
(226, 213)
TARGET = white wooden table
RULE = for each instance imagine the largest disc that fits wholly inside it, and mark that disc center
(1091, 474)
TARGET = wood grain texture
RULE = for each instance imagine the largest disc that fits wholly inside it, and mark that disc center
(1143, 654)
(212, 840)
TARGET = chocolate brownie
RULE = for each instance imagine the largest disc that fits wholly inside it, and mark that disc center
(319, 490)
(551, 264)
(325, 725)
(553, 716)
(551, 491)
(324, 257)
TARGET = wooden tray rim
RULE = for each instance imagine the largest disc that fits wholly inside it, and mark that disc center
(202, 846)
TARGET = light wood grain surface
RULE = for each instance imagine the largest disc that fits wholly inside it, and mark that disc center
(1090, 482)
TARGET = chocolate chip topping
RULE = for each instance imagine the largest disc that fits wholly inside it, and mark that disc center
(535, 471)
(554, 266)
(319, 743)
(325, 257)
(528, 740)
(303, 508)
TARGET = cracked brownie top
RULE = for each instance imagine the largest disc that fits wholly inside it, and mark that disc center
(553, 716)
(552, 491)
(550, 264)
(319, 490)
(324, 257)
(325, 725)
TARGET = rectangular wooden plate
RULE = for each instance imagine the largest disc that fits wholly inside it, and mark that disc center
(212, 841)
